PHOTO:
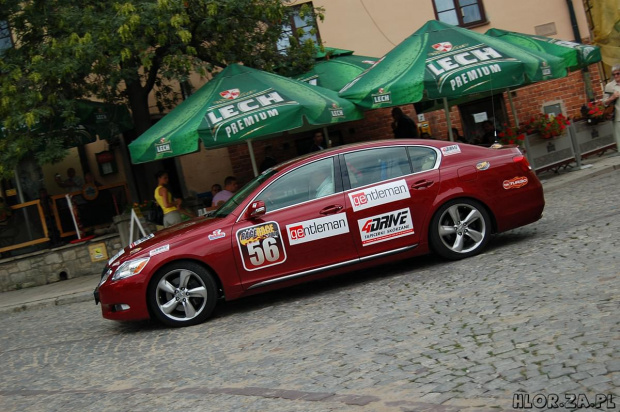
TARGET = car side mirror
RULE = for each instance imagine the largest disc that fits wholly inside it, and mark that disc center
(256, 209)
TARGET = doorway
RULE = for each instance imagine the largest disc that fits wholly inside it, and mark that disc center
(474, 114)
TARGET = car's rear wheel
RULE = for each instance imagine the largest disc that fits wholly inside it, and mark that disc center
(460, 228)
(182, 294)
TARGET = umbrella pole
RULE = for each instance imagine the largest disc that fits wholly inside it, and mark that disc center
(512, 107)
(328, 142)
(252, 159)
(448, 121)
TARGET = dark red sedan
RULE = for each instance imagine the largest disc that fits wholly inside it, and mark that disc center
(333, 211)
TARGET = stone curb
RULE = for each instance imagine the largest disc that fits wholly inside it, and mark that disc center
(559, 182)
(57, 301)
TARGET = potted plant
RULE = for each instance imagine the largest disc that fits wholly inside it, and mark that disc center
(546, 125)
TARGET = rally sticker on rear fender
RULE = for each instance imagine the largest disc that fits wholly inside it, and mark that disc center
(384, 227)
(261, 246)
(515, 182)
(451, 150)
(379, 195)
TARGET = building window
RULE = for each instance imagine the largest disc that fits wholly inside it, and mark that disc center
(301, 25)
(5, 36)
(465, 13)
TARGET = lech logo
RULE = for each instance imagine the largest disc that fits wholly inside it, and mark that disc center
(230, 94)
(445, 46)
(381, 96)
(336, 111)
(163, 146)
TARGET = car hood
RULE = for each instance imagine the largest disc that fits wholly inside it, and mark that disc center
(201, 226)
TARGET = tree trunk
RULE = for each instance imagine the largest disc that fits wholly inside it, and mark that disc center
(139, 103)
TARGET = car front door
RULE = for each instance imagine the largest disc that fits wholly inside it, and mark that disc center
(304, 230)
(391, 189)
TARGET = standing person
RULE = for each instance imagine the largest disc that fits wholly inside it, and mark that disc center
(318, 142)
(403, 126)
(165, 201)
(230, 187)
(612, 96)
(488, 133)
(72, 183)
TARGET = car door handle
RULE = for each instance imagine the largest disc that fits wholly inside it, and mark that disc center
(330, 210)
(422, 184)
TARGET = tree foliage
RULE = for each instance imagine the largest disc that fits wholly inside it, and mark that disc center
(123, 52)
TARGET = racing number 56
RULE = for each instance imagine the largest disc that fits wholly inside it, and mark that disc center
(267, 250)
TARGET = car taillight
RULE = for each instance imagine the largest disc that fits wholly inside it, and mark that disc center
(522, 161)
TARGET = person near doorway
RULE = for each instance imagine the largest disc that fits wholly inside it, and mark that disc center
(72, 183)
(488, 133)
(457, 136)
(164, 199)
(230, 187)
(612, 96)
(403, 126)
(318, 142)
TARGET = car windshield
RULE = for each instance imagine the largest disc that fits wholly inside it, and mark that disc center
(243, 193)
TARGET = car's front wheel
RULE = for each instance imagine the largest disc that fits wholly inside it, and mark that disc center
(182, 294)
(460, 228)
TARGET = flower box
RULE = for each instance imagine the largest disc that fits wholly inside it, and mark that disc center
(593, 138)
(544, 154)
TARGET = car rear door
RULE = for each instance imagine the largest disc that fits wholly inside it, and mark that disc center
(390, 192)
(304, 230)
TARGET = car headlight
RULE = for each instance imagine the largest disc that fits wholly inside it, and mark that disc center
(130, 268)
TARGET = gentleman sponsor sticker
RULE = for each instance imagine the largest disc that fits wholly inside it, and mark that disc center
(315, 229)
(515, 182)
(388, 226)
(379, 195)
(261, 246)
(451, 150)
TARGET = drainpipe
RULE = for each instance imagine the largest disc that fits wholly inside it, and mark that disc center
(585, 72)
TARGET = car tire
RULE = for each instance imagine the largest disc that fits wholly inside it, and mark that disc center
(182, 294)
(460, 228)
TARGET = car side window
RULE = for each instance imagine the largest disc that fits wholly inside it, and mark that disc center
(422, 158)
(371, 166)
(308, 182)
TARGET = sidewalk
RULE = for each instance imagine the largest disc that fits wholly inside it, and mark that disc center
(81, 289)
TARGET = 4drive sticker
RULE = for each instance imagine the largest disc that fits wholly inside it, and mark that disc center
(261, 246)
(451, 150)
(388, 226)
(379, 195)
(315, 229)
(515, 182)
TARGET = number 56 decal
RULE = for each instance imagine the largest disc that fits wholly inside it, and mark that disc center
(261, 246)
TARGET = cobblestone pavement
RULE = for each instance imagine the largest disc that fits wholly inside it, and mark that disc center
(536, 314)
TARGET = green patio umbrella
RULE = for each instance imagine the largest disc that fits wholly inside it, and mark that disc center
(331, 52)
(336, 72)
(575, 55)
(442, 61)
(240, 104)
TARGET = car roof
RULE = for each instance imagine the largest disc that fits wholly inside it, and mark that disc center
(363, 145)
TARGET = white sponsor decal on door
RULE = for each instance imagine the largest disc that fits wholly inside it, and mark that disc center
(379, 195)
(384, 227)
(315, 229)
